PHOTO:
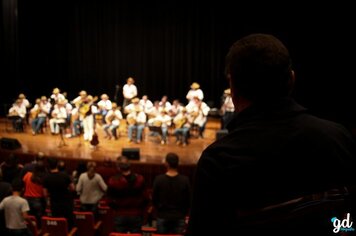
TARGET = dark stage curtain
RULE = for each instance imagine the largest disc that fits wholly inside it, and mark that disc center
(95, 45)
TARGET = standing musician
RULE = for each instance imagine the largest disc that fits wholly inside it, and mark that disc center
(227, 109)
(80, 99)
(194, 91)
(182, 123)
(112, 120)
(86, 111)
(17, 114)
(129, 91)
(39, 114)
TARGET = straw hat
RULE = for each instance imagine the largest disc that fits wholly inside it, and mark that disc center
(56, 90)
(104, 96)
(21, 96)
(227, 91)
(135, 100)
(195, 85)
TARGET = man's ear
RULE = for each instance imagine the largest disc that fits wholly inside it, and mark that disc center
(291, 81)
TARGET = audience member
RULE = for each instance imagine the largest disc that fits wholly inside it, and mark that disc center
(16, 211)
(5, 191)
(280, 170)
(34, 193)
(171, 198)
(58, 187)
(91, 188)
(128, 197)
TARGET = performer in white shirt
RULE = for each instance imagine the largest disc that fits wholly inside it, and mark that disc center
(195, 91)
(227, 109)
(146, 104)
(129, 91)
(59, 116)
(39, 114)
(112, 120)
(199, 110)
(104, 106)
(17, 115)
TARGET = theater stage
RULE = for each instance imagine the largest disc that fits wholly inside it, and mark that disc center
(151, 151)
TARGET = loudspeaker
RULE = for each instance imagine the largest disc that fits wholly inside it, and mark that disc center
(221, 133)
(131, 153)
(9, 143)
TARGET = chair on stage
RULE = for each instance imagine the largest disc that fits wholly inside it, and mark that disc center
(86, 224)
(56, 226)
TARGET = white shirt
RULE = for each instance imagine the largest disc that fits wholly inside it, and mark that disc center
(129, 91)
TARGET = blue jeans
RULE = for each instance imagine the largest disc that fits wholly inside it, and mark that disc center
(165, 226)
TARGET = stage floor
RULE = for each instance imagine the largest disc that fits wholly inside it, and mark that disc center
(151, 151)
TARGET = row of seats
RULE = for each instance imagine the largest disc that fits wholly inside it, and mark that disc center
(85, 225)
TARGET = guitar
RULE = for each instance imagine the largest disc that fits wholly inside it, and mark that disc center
(179, 123)
(85, 107)
(131, 120)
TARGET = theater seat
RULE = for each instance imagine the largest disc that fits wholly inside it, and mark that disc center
(56, 226)
(86, 224)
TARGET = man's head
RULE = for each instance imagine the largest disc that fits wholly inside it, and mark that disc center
(172, 160)
(123, 163)
(259, 68)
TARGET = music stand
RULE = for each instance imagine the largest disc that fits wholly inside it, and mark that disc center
(62, 126)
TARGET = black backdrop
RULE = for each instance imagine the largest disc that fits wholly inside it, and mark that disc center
(167, 45)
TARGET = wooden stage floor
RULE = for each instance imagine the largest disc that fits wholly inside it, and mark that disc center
(151, 151)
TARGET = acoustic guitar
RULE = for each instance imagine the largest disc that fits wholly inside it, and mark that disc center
(85, 107)
(179, 123)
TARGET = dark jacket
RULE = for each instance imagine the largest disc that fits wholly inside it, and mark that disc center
(275, 158)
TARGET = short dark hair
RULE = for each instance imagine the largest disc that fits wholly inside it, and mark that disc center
(17, 185)
(173, 160)
(260, 67)
(52, 163)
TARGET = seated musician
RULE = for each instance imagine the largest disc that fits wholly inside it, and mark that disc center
(182, 122)
(199, 110)
(58, 117)
(136, 121)
(112, 121)
(39, 114)
(104, 106)
(17, 114)
(163, 120)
